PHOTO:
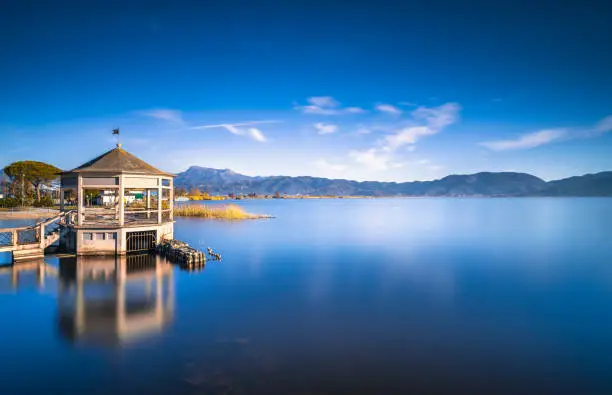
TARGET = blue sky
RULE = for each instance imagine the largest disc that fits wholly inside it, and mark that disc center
(383, 90)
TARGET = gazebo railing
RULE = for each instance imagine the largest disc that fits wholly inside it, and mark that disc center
(166, 215)
(141, 217)
(101, 216)
(107, 217)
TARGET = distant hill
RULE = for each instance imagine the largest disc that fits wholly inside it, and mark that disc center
(205, 177)
(224, 181)
(599, 184)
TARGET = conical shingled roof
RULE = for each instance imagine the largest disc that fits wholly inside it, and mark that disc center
(118, 160)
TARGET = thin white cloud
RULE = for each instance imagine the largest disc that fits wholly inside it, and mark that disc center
(323, 101)
(318, 110)
(388, 108)
(232, 129)
(354, 110)
(438, 117)
(326, 105)
(323, 105)
(526, 141)
(546, 136)
(257, 135)
(363, 130)
(325, 165)
(238, 124)
(323, 128)
(409, 135)
(372, 158)
(435, 119)
(239, 130)
(164, 114)
(604, 126)
(426, 121)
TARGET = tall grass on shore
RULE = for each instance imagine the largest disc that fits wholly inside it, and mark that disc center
(226, 211)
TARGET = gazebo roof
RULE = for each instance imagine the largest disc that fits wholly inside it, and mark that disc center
(118, 160)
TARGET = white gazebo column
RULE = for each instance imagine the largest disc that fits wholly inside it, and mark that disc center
(61, 196)
(148, 191)
(80, 193)
(171, 199)
(160, 196)
(121, 201)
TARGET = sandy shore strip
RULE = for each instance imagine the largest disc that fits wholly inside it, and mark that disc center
(28, 214)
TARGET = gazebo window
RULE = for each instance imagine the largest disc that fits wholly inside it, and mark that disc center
(141, 205)
(100, 198)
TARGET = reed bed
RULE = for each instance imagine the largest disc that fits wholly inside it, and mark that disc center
(227, 212)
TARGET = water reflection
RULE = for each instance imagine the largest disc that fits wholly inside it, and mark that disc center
(21, 274)
(435, 296)
(111, 301)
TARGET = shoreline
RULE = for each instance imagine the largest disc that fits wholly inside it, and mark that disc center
(27, 214)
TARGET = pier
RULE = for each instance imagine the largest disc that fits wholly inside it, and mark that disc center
(27, 243)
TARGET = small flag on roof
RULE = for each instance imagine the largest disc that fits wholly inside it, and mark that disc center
(116, 131)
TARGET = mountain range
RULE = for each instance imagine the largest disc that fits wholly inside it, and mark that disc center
(224, 181)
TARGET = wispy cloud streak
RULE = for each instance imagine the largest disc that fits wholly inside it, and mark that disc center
(323, 128)
(238, 124)
(164, 114)
(547, 136)
(526, 141)
(239, 129)
(425, 121)
(326, 105)
(389, 109)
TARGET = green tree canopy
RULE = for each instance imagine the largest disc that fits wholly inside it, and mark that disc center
(36, 173)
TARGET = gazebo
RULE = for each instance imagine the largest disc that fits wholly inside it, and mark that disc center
(123, 205)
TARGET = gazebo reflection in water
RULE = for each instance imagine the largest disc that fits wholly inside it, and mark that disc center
(114, 300)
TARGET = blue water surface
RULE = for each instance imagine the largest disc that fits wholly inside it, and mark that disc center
(347, 296)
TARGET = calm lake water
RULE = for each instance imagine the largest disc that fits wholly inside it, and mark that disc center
(382, 296)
